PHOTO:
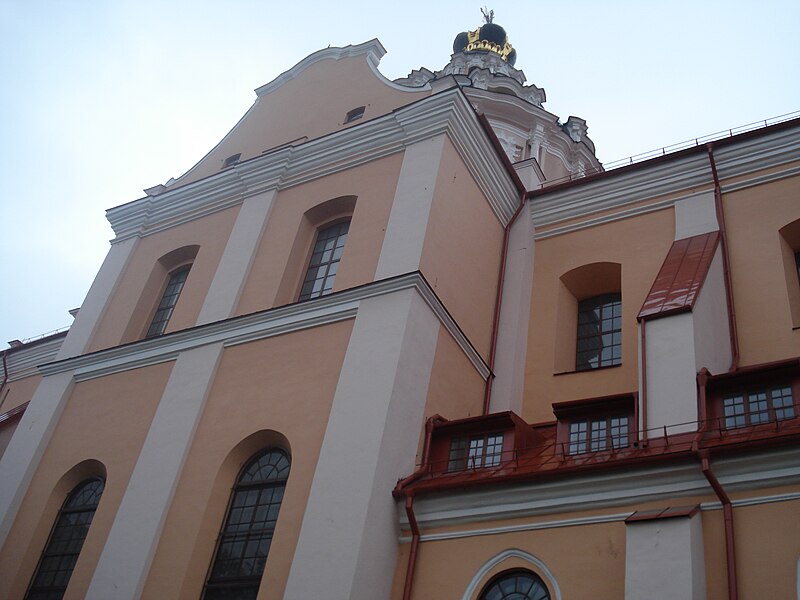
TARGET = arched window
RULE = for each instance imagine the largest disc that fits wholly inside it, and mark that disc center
(246, 535)
(66, 540)
(324, 262)
(168, 301)
(516, 585)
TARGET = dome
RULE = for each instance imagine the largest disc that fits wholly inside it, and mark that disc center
(490, 37)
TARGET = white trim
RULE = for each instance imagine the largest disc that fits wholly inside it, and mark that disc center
(277, 321)
(605, 490)
(665, 177)
(23, 362)
(490, 564)
(447, 112)
(578, 521)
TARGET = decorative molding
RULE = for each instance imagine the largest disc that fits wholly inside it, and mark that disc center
(647, 181)
(22, 362)
(490, 564)
(269, 323)
(592, 520)
(604, 490)
(446, 112)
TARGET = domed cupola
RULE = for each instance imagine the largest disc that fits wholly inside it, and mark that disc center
(488, 38)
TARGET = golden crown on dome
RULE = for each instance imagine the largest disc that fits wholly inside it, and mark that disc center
(488, 38)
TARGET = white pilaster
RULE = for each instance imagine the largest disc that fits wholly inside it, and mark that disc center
(695, 215)
(664, 558)
(512, 336)
(96, 301)
(128, 552)
(408, 220)
(21, 457)
(370, 442)
(234, 266)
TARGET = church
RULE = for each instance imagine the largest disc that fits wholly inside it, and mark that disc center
(411, 340)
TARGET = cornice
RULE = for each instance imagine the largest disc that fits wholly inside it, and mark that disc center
(22, 362)
(265, 324)
(447, 112)
(668, 175)
(607, 489)
(372, 49)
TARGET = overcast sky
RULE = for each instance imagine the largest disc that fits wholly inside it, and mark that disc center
(101, 99)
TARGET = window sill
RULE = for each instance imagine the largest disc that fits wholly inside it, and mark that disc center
(587, 370)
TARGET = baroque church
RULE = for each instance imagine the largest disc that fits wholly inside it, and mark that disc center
(410, 340)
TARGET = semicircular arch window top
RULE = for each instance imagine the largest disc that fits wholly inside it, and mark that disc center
(516, 585)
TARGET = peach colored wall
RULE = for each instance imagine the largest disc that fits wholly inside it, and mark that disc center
(18, 392)
(455, 390)
(282, 257)
(106, 420)
(294, 110)
(639, 244)
(134, 302)
(586, 561)
(753, 217)
(285, 384)
(461, 253)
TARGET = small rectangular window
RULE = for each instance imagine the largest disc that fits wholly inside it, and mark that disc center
(599, 341)
(597, 435)
(742, 409)
(168, 301)
(231, 160)
(475, 452)
(354, 114)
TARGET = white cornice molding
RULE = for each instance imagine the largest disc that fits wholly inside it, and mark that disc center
(617, 190)
(240, 330)
(605, 490)
(446, 112)
(372, 50)
(22, 362)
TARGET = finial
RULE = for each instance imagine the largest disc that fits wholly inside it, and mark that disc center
(488, 15)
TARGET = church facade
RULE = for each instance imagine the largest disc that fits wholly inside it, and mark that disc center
(408, 340)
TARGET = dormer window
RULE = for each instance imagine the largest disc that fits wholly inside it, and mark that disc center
(475, 452)
(355, 114)
(595, 425)
(758, 406)
(231, 160)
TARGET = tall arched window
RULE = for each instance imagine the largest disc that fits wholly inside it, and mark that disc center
(66, 540)
(246, 535)
(516, 585)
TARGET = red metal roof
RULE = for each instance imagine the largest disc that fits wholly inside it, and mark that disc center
(681, 276)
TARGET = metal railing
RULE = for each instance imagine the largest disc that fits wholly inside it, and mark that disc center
(663, 151)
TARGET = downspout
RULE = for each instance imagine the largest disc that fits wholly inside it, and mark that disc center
(727, 510)
(487, 395)
(412, 555)
(412, 520)
(5, 377)
(725, 260)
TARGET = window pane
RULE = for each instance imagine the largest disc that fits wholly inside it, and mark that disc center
(782, 403)
(66, 540)
(246, 536)
(599, 338)
(324, 261)
(168, 302)
(516, 585)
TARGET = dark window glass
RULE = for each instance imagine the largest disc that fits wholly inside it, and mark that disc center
(516, 585)
(797, 263)
(168, 302)
(66, 540)
(246, 536)
(475, 452)
(354, 114)
(760, 406)
(599, 342)
(596, 435)
(324, 261)
(231, 160)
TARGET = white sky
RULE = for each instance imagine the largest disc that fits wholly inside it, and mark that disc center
(101, 98)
